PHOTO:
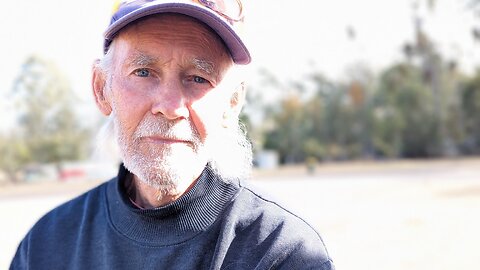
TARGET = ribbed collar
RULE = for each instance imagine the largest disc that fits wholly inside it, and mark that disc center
(176, 222)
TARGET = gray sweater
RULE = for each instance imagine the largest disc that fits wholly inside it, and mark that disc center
(216, 225)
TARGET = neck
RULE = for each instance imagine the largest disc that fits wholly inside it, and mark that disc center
(145, 196)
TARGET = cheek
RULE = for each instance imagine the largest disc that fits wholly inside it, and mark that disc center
(129, 106)
(207, 113)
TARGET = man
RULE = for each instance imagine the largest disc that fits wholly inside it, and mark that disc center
(171, 85)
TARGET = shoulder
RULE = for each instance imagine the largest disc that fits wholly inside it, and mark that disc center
(69, 216)
(263, 203)
(59, 228)
(290, 240)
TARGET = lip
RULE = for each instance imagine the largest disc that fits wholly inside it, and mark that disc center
(163, 140)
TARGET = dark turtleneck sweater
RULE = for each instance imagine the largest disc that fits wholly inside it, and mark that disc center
(216, 225)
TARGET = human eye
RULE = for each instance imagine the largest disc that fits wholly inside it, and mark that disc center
(197, 82)
(198, 79)
(142, 72)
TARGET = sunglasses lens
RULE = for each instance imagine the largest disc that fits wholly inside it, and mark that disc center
(231, 9)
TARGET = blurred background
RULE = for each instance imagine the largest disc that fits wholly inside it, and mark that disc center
(364, 116)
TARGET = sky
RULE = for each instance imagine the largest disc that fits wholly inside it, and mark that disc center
(289, 38)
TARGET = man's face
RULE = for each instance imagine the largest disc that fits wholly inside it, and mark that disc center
(169, 92)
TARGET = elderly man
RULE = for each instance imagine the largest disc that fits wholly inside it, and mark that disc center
(171, 86)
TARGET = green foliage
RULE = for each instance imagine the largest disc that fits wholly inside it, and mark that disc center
(289, 136)
(47, 129)
(421, 107)
(14, 155)
(470, 98)
(405, 119)
(404, 113)
(330, 125)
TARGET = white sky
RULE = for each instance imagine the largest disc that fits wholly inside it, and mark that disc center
(284, 36)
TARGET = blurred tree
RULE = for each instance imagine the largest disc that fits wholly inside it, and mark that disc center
(361, 85)
(441, 79)
(406, 122)
(288, 134)
(339, 124)
(317, 141)
(332, 124)
(470, 98)
(416, 108)
(48, 130)
(398, 115)
(14, 156)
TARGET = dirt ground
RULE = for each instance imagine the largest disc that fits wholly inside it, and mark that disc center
(389, 215)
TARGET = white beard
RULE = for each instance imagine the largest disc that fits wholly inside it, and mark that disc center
(228, 151)
(165, 167)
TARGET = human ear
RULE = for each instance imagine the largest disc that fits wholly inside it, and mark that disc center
(237, 100)
(99, 83)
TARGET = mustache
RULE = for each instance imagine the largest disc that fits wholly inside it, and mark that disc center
(158, 126)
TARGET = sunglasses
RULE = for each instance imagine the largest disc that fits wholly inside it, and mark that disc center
(232, 10)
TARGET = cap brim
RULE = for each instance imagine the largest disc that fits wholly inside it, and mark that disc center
(235, 45)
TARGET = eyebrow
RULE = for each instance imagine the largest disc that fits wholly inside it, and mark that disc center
(142, 59)
(203, 65)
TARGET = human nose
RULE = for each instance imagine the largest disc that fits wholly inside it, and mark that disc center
(169, 101)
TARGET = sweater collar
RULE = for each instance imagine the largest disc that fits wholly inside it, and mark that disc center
(173, 223)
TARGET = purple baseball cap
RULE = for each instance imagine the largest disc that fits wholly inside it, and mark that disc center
(209, 12)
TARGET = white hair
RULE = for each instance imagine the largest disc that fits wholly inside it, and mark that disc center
(106, 62)
(232, 153)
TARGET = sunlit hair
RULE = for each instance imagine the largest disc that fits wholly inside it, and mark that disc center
(230, 152)
(106, 62)
(231, 156)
